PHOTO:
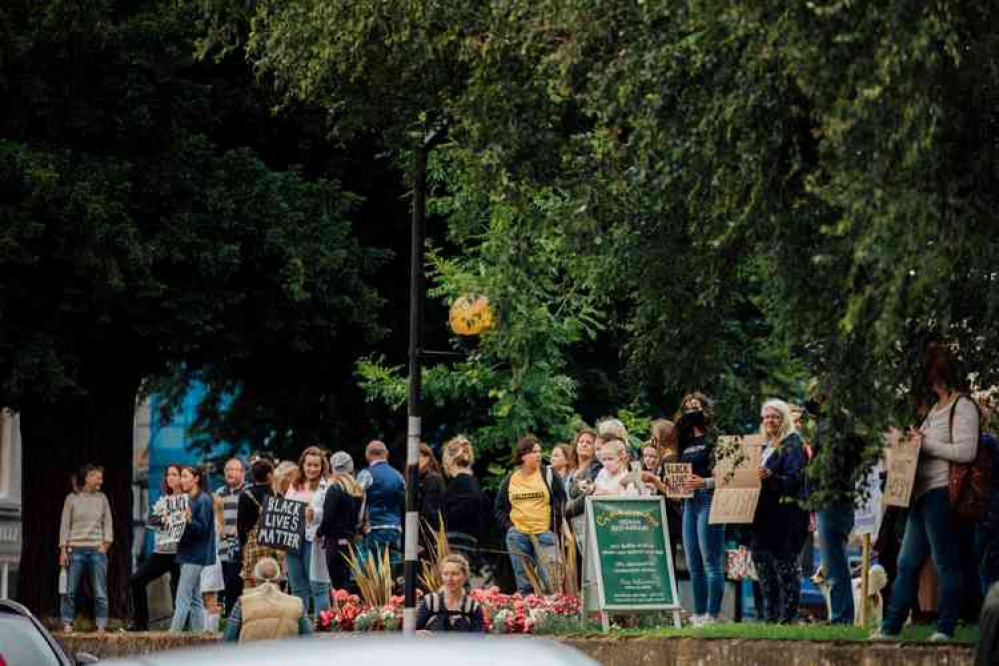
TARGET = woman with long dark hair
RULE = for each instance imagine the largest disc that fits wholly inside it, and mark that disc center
(703, 543)
(949, 434)
(429, 496)
(195, 551)
(162, 560)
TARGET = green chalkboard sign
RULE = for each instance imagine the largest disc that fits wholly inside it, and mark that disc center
(629, 555)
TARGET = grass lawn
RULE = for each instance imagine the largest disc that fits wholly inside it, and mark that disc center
(965, 634)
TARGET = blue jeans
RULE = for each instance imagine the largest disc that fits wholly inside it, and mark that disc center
(522, 550)
(377, 540)
(704, 546)
(301, 586)
(928, 530)
(96, 563)
(835, 525)
(189, 602)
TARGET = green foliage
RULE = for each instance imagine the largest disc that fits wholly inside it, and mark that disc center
(134, 235)
(731, 195)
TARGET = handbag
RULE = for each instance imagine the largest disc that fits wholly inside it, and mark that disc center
(969, 484)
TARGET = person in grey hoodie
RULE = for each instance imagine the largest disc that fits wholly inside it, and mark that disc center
(85, 534)
(195, 551)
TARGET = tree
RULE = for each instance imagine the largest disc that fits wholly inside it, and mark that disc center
(131, 239)
(746, 194)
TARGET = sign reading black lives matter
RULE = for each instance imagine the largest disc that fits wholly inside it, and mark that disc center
(282, 524)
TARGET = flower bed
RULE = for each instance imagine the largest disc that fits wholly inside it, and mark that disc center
(503, 613)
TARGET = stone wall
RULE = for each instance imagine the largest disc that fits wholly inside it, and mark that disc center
(628, 651)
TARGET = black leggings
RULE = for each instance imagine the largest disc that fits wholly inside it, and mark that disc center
(154, 566)
(336, 562)
(780, 581)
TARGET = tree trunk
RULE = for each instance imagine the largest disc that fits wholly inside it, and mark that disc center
(58, 437)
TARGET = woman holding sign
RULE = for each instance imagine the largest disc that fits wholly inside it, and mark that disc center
(313, 468)
(780, 525)
(195, 551)
(161, 561)
(948, 435)
(703, 542)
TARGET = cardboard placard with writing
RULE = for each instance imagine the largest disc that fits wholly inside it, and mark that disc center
(903, 459)
(867, 512)
(737, 481)
(676, 474)
(172, 511)
(282, 524)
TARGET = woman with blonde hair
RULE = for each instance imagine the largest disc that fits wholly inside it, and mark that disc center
(615, 478)
(340, 518)
(285, 475)
(780, 526)
(457, 448)
(309, 478)
(450, 608)
(466, 509)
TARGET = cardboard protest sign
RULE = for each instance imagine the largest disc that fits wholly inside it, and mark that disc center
(172, 510)
(676, 474)
(903, 458)
(737, 482)
(282, 524)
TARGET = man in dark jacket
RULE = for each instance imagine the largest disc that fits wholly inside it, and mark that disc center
(529, 508)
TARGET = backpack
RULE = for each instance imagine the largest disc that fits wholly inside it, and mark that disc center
(970, 484)
(435, 604)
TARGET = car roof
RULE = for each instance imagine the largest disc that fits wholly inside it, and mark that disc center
(13, 608)
(373, 650)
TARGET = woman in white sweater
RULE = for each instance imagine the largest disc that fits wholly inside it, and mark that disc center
(949, 434)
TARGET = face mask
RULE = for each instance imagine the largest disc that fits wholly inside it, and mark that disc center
(693, 419)
(813, 406)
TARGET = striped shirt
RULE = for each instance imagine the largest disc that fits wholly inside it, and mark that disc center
(228, 540)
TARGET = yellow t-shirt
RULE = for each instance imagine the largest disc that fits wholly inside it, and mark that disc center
(530, 503)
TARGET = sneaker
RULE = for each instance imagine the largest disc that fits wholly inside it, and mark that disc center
(707, 620)
(940, 637)
(880, 635)
(697, 621)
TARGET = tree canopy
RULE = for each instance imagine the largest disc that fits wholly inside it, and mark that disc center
(741, 195)
(141, 233)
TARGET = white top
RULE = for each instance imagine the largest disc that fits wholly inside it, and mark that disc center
(624, 483)
(940, 449)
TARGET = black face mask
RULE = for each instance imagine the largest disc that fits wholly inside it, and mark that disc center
(813, 407)
(691, 420)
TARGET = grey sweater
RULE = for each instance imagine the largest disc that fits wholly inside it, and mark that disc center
(941, 447)
(86, 521)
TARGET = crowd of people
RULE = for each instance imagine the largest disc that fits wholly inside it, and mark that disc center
(537, 507)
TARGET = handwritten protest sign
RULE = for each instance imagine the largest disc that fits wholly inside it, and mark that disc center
(867, 513)
(172, 510)
(676, 475)
(737, 482)
(282, 524)
(903, 458)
